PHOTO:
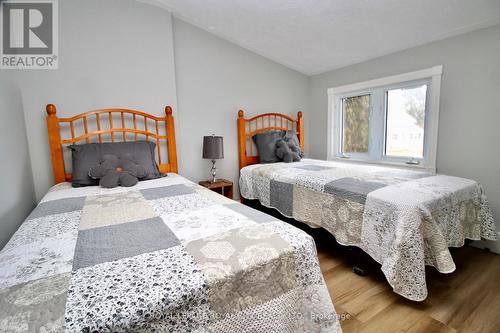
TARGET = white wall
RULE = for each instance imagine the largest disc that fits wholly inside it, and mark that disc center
(113, 53)
(469, 121)
(215, 79)
(17, 194)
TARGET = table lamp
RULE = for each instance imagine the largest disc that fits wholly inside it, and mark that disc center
(213, 149)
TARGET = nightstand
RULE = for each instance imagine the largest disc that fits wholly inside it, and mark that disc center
(221, 186)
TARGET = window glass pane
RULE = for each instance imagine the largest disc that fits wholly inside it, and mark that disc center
(356, 121)
(406, 122)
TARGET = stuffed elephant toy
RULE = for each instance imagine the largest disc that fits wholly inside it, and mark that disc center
(113, 171)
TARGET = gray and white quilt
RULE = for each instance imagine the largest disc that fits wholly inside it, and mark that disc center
(404, 219)
(163, 256)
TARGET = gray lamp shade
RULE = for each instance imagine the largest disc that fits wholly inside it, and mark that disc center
(213, 147)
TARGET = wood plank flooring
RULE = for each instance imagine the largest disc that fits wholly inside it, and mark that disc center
(467, 300)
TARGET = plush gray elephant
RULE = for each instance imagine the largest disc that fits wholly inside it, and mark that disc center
(287, 151)
(113, 171)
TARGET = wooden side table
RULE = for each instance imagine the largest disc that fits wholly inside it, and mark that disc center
(221, 186)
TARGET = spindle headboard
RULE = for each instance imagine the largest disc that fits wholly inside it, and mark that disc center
(261, 123)
(133, 125)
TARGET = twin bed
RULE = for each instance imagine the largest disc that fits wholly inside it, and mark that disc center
(165, 255)
(403, 219)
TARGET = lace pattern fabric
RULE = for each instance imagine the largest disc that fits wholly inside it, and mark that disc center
(165, 255)
(403, 219)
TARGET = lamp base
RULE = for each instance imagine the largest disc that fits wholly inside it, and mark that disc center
(214, 172)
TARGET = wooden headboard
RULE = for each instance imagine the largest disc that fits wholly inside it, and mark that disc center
(248, 127)
(133, 126)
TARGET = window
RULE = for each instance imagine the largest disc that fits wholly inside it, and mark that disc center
(391, 120)
(405, 122)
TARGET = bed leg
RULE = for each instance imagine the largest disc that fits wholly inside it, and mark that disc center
(242, 200)
(359, 270)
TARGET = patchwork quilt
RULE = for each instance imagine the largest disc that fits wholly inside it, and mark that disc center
(163, 256)
(404, 219)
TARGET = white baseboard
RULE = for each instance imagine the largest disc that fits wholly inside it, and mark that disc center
(493, 246)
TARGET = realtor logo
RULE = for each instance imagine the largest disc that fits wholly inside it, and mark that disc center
(29, 34)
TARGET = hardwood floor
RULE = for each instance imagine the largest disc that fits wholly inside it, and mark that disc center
(467, 300)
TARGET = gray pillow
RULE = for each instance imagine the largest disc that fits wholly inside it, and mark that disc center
(86, 156)
(266, 145)
(291, 135)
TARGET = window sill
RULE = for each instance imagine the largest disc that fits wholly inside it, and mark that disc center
(402, 165)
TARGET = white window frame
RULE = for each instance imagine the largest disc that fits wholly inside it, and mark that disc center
(376, 154)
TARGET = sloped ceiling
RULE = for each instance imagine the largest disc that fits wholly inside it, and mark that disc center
(314, 36)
